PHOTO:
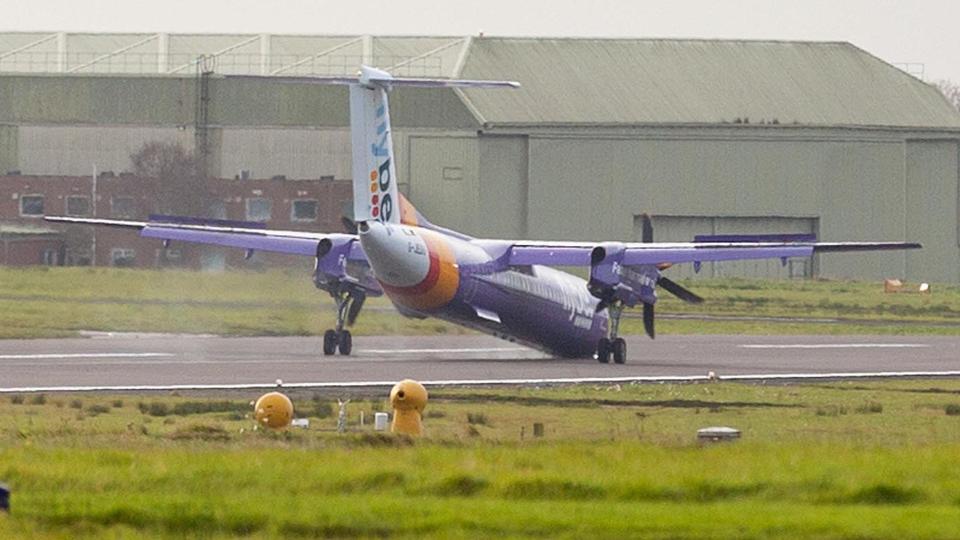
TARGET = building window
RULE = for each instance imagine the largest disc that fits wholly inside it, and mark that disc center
(51, 257)
(304, 210)
(78, 205)
(122, 257)
(79, 257)
(259, 209)
(122, 207)
(31, 205)
(453, 173)
(169, 257)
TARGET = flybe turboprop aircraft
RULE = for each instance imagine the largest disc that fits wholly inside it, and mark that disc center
(502, 287)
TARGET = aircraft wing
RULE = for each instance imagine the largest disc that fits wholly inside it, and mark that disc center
(235, 234)
(528, 252)
(341, 261)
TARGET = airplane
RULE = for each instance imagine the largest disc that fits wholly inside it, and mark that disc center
(506, 288)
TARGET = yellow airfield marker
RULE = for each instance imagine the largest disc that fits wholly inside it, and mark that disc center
(273, 411)
(408, 399)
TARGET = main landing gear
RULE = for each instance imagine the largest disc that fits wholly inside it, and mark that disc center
(348, 307)
(613, 346)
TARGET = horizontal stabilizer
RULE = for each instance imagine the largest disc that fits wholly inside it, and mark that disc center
(372, 77)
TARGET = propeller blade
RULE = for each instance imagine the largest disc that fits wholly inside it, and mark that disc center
(648, 320)
(349, 226)
(346, 218)
(646, 230)
(355, 306)
(680, 292)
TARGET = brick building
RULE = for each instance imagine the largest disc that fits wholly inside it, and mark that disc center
(23, 245)
(305, 205)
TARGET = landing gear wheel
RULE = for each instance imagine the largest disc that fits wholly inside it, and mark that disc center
(619, 350)
(603, 351)
(346, 343)
(329, 342)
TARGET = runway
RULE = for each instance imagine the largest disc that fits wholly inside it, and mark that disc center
(136, 360)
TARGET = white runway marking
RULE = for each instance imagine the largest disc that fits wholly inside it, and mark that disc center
(499, 382)
(838, 346)
(83, 355)
(149, 362)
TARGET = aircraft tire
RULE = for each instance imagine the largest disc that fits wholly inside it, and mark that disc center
(346, 343)
(619, 350)
(329, 342)
(603, 351)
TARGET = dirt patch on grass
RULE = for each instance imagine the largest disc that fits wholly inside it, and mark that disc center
(600, 402)
(201, 432)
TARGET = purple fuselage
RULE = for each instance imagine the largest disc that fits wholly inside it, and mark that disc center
(467, 282)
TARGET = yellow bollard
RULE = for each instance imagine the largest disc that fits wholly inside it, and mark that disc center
(408, 399)
(273, 410)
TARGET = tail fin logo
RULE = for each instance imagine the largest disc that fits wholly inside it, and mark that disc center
(381, 204)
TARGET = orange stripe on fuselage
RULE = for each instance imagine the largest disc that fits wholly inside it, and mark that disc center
(408, 214)
(439, 286)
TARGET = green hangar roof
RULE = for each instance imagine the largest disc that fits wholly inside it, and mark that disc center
(566, 81)
(659, 81)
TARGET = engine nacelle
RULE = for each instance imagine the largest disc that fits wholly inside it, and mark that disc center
(334, 271)
(610, 280)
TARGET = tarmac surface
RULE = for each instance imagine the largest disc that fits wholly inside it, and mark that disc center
(140, 359)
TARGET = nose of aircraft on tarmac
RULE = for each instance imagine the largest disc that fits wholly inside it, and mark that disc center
(398, 256)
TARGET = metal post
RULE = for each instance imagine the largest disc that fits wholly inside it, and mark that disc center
(265, 54)
(93, 209)
(163, 52)
(342, 416)
(201, 126)
(61, 52)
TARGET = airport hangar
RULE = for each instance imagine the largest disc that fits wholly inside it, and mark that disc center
(707, 136)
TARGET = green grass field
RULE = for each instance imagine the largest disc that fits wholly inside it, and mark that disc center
(831, 460)
(60, 302)
(837, 460)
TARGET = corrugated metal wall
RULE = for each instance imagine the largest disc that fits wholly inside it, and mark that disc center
(857, 190)
(931, 207)
(577, 182)
(76, 150)
(294, 153)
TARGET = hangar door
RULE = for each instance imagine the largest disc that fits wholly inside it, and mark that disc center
(685, 228)
(443, 180)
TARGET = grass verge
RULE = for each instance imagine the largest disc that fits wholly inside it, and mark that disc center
(60, 302)
(863, 460)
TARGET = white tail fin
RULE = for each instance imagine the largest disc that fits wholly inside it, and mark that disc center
(374, 167)
(374, 170)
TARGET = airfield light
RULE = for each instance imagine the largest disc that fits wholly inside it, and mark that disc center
(408, 399)
(273, 410)
(380, 421)
(717, 434)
